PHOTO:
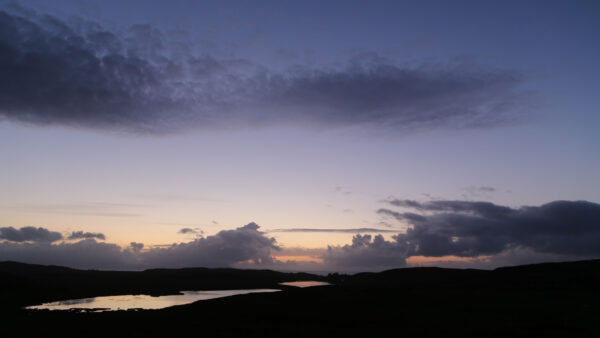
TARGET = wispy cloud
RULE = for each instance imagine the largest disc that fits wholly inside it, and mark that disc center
(182, 198)
(479, 191)
(342, 190)
(348, 230)
(82, 209)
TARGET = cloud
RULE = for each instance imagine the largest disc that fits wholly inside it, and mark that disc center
(484, 209)
(492, 235)
(376, 92)
(485, 234)
(29, 234)
(87, 76)
(223, 249)
(342, 190)
(83, 209)
(189, 231)
(136, 247)
(481, 191)
(301, 251)
(489, 235)
(366, 253)
(85, 254)
(81, 234)
(471, 229)
(350, 230)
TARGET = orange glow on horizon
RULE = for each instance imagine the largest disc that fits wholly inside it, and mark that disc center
(298, 259)
(450, 258)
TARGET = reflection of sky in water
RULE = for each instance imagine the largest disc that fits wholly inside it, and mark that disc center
(126, 302)
(305, 284)
(74, 301)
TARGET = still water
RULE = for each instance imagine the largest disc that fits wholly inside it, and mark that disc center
(305, 284)
(127, 302)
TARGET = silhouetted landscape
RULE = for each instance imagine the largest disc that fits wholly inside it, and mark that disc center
(552, 299)
(299, 168)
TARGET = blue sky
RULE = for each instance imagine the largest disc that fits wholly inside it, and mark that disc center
(295, 115)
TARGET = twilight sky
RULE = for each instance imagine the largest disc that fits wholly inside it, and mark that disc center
(308, 135)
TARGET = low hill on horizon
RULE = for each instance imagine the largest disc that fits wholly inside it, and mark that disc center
(25, 284)
(540, 300)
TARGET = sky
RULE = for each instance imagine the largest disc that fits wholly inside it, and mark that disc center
(308, 135)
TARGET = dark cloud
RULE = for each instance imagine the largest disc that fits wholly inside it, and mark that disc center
(29, 234)
(85, 254)
(481, 228)
(374, 91)
(489, 235)
(484, 209)
(351, 230)
(81, 234)
(366, 253)
(223, 249)
(492, 235)
(136, 247)
(186, 230)
(189, 231)
(87, 76)
(408, 216)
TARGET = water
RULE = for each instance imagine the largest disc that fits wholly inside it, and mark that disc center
(128, 302)
(305, 284)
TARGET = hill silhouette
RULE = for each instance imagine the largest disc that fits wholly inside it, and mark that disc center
(550, 300)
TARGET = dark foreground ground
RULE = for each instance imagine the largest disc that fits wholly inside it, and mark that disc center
(544, 300)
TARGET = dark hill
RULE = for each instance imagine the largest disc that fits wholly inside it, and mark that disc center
(28, 284)
(543, 300)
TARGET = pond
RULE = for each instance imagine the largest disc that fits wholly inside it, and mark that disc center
(128, 302)
(305, 284)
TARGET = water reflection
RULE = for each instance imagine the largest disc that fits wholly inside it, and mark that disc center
(128, 302)
(305, 284)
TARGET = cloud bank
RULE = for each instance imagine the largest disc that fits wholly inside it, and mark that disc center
(223, 249)
(84, 254)
(485, 234)
(84, 75)
(469, 229)
(489, 235)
